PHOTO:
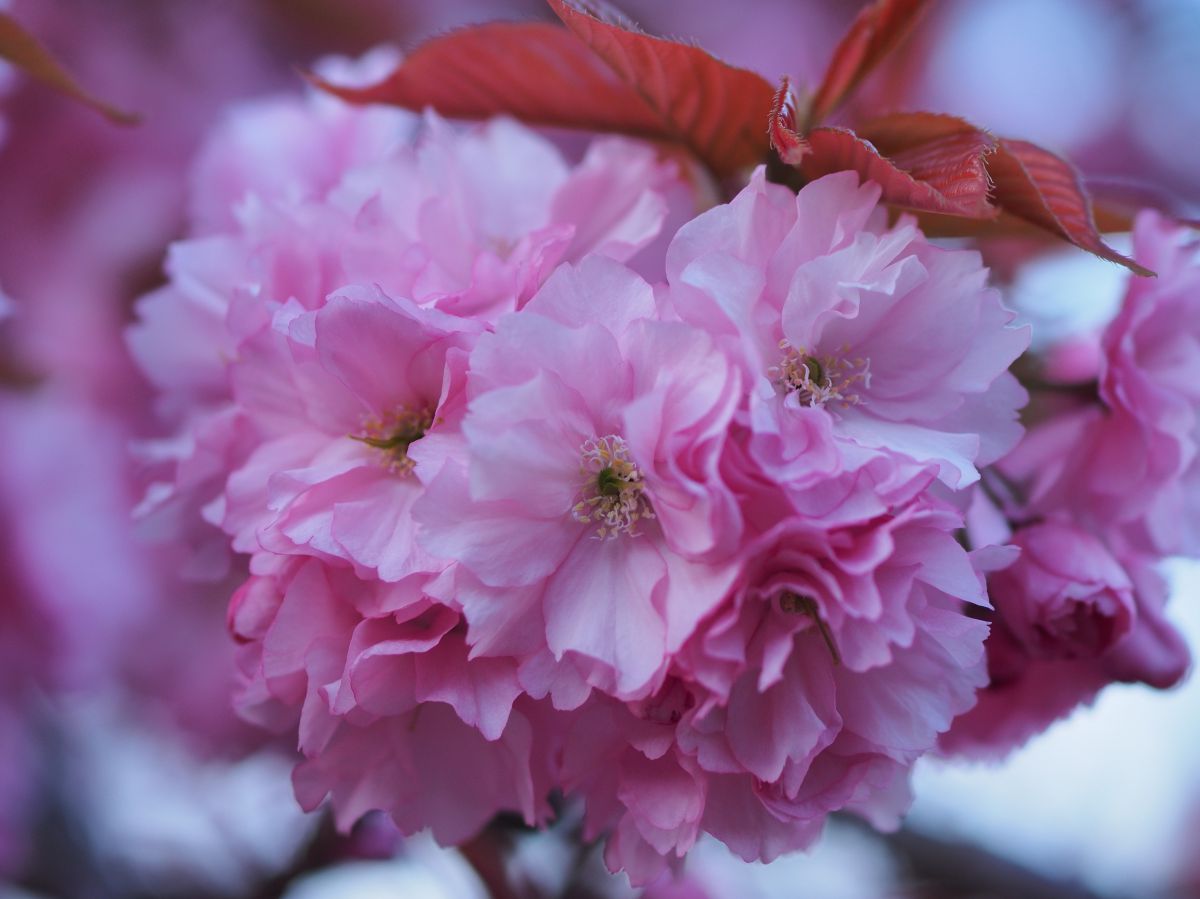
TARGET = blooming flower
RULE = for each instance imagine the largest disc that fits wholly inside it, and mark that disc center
(312, 347)
(832, 664)
(599, 536)
(520, 521)
(1098, 491)
(467, 222)
(1029, 690)
(348, 401)
(541, 501)
(754, 703)
(1151, 384)
(897, 342)
(592, 445)
(1127, 463)
(1065, 596)
(391, 712)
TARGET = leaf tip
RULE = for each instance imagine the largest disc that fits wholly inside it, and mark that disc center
(781, 126)
(23, 50)
(348, 93)
(125, 118)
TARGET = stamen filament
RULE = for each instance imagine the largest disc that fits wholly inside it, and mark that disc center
(612, 495)
(819, 380)
(394, 434)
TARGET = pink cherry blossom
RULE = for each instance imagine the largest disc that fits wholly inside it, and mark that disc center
(597, 536)
(900, 344)
(1060, 607)
(391, 712)
(1098, 491)
(691, 554)
(744, 683)
(469, 222)
(591, 466)
(1070, 618)
(1065, 596)
(278, 149)
(1027, 692)
(1151, 384)
(537, 482)
(834, 662)
(1126, 462)
(349, 403)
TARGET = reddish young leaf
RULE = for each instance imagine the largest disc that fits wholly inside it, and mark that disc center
(538, 72)
(943, 174)
(781, 127)
(596, 74)
(714, 108)
(1044, 189)
(899, 131)
(22, 49)
(943, 165)
(943, 151)
(872, 35)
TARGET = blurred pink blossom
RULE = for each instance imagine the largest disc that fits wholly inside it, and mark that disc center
(1065, 596)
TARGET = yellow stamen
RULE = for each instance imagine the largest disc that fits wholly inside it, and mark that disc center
(394, 434)
(613, 493)
(818, 380)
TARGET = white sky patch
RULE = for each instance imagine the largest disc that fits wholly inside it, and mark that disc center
(1049, 71)
(1069, 292)
(423, 870)
(156, 811)
(847, 863)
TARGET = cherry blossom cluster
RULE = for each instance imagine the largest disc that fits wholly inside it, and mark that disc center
(553, 482)
(1102, 488)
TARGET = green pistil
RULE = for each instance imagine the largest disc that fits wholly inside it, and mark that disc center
(394, 437)
(608, 483)
(400, 440)
(796, 604)
(816, 374)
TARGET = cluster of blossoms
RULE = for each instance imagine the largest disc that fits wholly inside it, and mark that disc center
(1103, 487)
(710, 552)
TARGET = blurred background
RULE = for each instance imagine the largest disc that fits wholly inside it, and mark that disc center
(123, 773)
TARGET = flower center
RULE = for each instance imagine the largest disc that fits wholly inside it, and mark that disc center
(613, 494)
(818, 380)
(394, 434)
(796, 604)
